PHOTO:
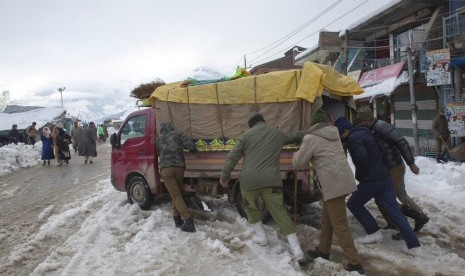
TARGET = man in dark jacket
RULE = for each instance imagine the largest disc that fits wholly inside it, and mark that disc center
(441, 133)
(374, 182)
(394, 147)
(170, 145)
(13, 135)
(261, 147)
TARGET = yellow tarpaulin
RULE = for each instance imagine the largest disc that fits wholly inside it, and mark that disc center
(279, 86)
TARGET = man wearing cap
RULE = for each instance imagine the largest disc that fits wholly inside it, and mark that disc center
(260, 146)
(31, 133)
(322, 146)
(394, 148)
(374, 182)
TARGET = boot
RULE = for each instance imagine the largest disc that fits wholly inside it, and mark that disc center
(295, 247)
(371, 238)
(260, 235)
(48, 163)
(178, 222)
(43, 164)
(357, 267)
(188, 225)
(313, 254)
(420, 218)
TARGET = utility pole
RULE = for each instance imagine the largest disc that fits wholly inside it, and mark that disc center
(413, 103)
(346, 52)
(61, 89)
(245, 62)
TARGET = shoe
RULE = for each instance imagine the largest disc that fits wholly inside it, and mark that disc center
(313, 254)
(188, 225)
(420, 218)
(178, 222)
(415, 251)
(67, 162)
(371, 238)
(48, 162)
(85, 161)
(357, 267)
(60, 163)
(43, 164)
(260, 235)
(397, 236)
(390, 226)
(90, 162)
(295, 247)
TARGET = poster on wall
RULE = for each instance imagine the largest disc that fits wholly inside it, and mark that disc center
(438, 67)
(455, 113)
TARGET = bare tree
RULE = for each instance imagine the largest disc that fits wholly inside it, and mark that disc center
(4, 99)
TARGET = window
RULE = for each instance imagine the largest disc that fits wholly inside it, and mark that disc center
(134, 127)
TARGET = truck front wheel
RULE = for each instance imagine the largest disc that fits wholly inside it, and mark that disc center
(266, 216)
(139, 192)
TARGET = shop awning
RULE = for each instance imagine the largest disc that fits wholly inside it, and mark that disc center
(457, 62)
(385, 87)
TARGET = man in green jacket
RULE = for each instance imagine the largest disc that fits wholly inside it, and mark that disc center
(260, 176)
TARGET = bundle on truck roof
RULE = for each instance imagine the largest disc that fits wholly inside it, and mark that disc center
(286, 100)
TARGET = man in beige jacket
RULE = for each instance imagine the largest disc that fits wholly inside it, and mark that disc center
(323, 147)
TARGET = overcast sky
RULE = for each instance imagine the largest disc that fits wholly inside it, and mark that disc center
(101, 49)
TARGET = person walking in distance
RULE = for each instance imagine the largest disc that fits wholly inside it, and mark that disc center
(374, 182)
(170, 145)
(395, 150)
(61, 141)
(31, 133)
(47, 146)
(441, 134)
(322, 147)
(261, 146)
(88, 143)
(76, 135)
(13, 135)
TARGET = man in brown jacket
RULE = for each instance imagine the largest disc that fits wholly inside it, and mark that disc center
(323, 147)
(441, 134)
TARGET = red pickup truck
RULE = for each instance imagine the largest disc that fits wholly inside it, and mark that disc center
(134, 167)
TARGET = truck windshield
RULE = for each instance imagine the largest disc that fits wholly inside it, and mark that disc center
(134, 127)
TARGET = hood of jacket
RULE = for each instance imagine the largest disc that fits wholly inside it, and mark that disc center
(327, 132)
(166, 127)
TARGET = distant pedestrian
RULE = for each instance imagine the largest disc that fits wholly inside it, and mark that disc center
(170, 147)
(76, 135)
(101, 134)
(47, 146)
(13, 135)
(322, 147)
(31, 133)
(88, 143)
(441, 133)
(374, 182)
(61, 142)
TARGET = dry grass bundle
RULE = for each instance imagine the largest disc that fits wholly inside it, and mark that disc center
(143, 91)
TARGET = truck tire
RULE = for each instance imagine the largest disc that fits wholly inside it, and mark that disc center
(139, 192)
(266, 216)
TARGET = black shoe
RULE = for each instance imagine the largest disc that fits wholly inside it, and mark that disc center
(397, 236)
(43, 164)
(90, 162)
(420, 221)
(48, 162)
(357, 267)
(85, 161)
(390, 226)
(313, 254)
(67, 162)
(178, 221)
(188, 225)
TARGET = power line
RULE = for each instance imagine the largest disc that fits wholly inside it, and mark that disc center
(288, 36)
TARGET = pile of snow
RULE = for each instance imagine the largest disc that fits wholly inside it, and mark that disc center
(13, 157)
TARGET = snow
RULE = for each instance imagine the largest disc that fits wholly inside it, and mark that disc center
(113, 237)
(386, 87)
(372, 14)
(41, 116)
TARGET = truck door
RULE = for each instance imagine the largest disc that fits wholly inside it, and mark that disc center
(134, 153)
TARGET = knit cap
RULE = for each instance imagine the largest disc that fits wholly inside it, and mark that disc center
(319, 117)
(342, 124)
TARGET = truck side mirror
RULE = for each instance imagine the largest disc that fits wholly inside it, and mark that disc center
(114, 141)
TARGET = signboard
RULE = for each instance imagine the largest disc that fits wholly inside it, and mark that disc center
(439, 70)
(377, 75)
(455, 113)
